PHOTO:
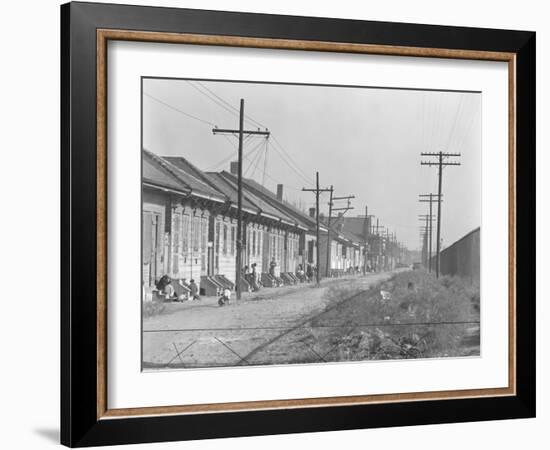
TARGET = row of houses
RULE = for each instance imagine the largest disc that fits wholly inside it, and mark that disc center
(189, 227)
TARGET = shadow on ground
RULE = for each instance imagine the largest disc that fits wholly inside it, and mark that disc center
(49, 434)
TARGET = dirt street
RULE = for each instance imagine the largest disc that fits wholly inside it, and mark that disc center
(273, 326)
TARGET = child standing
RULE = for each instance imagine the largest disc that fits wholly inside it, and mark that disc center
(194, 290)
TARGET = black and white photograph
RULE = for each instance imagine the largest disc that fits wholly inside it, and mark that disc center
(307, 224)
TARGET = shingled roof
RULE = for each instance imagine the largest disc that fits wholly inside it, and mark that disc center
(265, 207)
(191, 177)
(178, 174)
(302, 218)
(221, 184)
(156, 173)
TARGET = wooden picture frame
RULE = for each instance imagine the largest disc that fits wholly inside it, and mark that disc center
(85, 416)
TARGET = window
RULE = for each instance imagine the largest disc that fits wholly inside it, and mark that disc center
(204, 241)
(232, 247)
(176, 241)
(273, 247)
(176, 232)
(196, 233)
(217, 237)
(224, 242)
(185, 235)
(217, 246)
(280, 249)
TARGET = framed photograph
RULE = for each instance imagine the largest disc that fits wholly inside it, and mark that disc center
(277, 224)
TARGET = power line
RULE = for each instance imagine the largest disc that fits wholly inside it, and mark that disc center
(179, 110)
(458, 110)
(467, 130)
(227, 158)
(285, 157)
(254, 160)
(221, 105)
(265, 161)
(258, 160)
(296, 168)
(291, 167)
(231, 106)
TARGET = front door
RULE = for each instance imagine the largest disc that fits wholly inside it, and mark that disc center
(151, 247)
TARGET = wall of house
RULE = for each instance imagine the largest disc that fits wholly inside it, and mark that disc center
(188, 237)
(338, 259)
(254, 245)
(189, 242)
(225, 247)
(292, 253)
(309, 252)
(153, 238)
(275, 249)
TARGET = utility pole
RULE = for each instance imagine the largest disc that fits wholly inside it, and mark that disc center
(317, 191)
(327, 269)
(388, 249)
(428, 227)
(366, 230)
(330, 211)
(395, 248)
(440, 164)
(380, 240)
(240, 132)
(431, 198)
(427, 218)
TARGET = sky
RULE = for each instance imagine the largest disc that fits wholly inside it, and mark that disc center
(363, 141)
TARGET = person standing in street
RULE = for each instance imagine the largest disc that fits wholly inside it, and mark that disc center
(194, 290)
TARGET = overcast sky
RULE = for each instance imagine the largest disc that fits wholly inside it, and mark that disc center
(363, 141)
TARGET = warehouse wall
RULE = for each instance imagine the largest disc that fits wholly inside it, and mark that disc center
(463, 257)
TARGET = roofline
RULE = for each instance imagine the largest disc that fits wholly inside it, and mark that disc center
(164, 188)
(281, 205)
(208, 197)
(253, 201)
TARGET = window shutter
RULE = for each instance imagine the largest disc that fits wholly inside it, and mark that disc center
(176, 241)
(146, 238)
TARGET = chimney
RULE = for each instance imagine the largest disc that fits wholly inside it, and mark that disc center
(312, 212)
(234, 167)
(280, 192)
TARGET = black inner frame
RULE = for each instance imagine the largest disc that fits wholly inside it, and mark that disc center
(79, 423)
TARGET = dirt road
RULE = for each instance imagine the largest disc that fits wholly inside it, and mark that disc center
(273, 326)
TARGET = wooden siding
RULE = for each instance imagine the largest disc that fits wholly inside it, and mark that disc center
(153, 237)
(225, 247)
(188, 242)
